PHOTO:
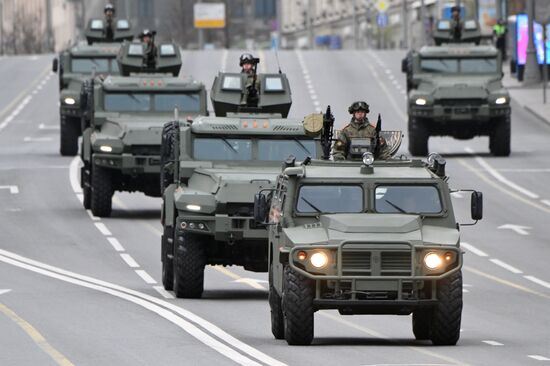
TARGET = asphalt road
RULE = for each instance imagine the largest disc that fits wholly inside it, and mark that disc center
(78, 290)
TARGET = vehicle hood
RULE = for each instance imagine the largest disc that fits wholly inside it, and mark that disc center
(473, 87)
(366, 227)
(133, 130)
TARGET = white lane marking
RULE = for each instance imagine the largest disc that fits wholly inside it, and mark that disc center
(538, 357)
(546, 202)
(4, 291)
(150, 303)
(493, 343)
(506, 266)
(163, 292)
(307, 79)
(15, 112)
(538, 281)
(73, 174)
(457, 195)
(116, 244)
(474, 250)
(467, 285)
(465, 290)
(89, 212)
(13, 189)
(43, 126)
(129, 260)
(37, 139)
(499, 177)
(102, 228)
(146, 277)
(521, 230)
(80, 197)
(56, 272)
(225, 53)
(252, 283)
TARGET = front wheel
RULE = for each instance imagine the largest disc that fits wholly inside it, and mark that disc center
(102, 192)
(189, 262)
(418, 136)
(500, 138)
(297, 308)
(167, 252)
(421, 324)
(276, 307)
(70, 130)
(447, 314)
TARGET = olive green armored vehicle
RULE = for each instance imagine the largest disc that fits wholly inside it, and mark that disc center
(455, 89)
(75, 65)
(123, 118)
(212, 168)
(373, 238)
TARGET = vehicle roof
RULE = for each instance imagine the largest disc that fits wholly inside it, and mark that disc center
(252, 125)
(150, 82)
(458, 50)
(83, 49)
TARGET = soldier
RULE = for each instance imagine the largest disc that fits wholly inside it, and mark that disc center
(359, 127)
(499, 31)
(248, 63)
(109, 11)
(456, 24)
(148, 37)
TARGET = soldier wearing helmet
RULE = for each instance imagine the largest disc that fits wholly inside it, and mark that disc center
(148, 37)
(109, 11)
(456, 24)
(358, 128)
(248, 64)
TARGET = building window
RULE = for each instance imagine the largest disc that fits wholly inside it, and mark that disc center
(266, 9)
(145, 9)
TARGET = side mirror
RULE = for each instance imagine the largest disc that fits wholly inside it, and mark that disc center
(261, 208)
(55, 64)
(404, 65)
(477, 205)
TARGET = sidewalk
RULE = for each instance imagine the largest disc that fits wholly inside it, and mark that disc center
(529, 98)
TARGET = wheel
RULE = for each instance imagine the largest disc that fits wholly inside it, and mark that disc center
(102, 192)
(167, 251)
(275, 305)
(189, 262)
(499, 140)
(297, 308)
(167, 154)
(70, 130)
(418, 136)
(87, 197)
(421, 324)
(85, 184)
(447, 314)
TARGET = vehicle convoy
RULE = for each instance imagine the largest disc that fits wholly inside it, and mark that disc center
(123, 118)
(455, 89)
(212, 168)
(75, 65)
(372, 238)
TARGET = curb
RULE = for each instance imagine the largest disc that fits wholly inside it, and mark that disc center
(537, 115)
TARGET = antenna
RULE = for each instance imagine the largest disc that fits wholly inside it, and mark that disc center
(277, 58)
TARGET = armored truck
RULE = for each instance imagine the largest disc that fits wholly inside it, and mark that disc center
(75, 65)
(372, 238)
(123, 117)
(455, 89)
(212, 168)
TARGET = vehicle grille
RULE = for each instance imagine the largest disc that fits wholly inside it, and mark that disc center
(460, 102)
(357, 262)
(145, 150)
(396, 263)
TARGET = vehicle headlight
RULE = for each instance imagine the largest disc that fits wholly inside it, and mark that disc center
(69, 101)
(106, 148)
(501, 100)
(421, 101)
(193, 207)
(368, 158)
(319, 259)
(433, 261)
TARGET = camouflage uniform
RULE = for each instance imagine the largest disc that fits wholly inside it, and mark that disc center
(248, 85)
(357, 129)
(456, 29)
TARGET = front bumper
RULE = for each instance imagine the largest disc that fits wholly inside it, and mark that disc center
(128, 163)
(70, 111)
(483, 112)
(222, 227)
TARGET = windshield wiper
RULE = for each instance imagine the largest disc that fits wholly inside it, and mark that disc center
(302, 146)
(230, 146)
(311, 205)
(395, 206)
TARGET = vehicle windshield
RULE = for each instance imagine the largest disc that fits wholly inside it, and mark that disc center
(410, 199)
(87, 65)
(149, 102)
(217, 148)
(330, 199)
(456, 65)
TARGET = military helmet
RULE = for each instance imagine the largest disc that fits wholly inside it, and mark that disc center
(455, 8)
(358, 106)
(147, 33)
(108, 7)
(246, 58)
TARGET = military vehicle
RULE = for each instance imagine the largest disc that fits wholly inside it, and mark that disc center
(372, 238)
(123, 118)
(75, 65)
(455, 89)
(213, 166)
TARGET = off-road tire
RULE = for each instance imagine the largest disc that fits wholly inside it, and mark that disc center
(276, 308)
(500, 138)
(70, 130)
(189, 262)
(102, 192)
(87, 198)
(167, 247)
(418, 136)
(167, 154)
(298, 309)
(447, 314)
(421, 323)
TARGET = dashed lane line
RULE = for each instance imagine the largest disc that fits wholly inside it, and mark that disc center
(493, 343)
(146, 277)
(473, 249)
(539, 357)
(538, 281)
(103, 229)
(116, 244)
(506, 266)
(36, 337)
(163, 292)
(130, 261)
(307, 79)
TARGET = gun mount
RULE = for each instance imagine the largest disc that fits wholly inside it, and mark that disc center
(100, 30)
(468, 32)
(134, 58)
